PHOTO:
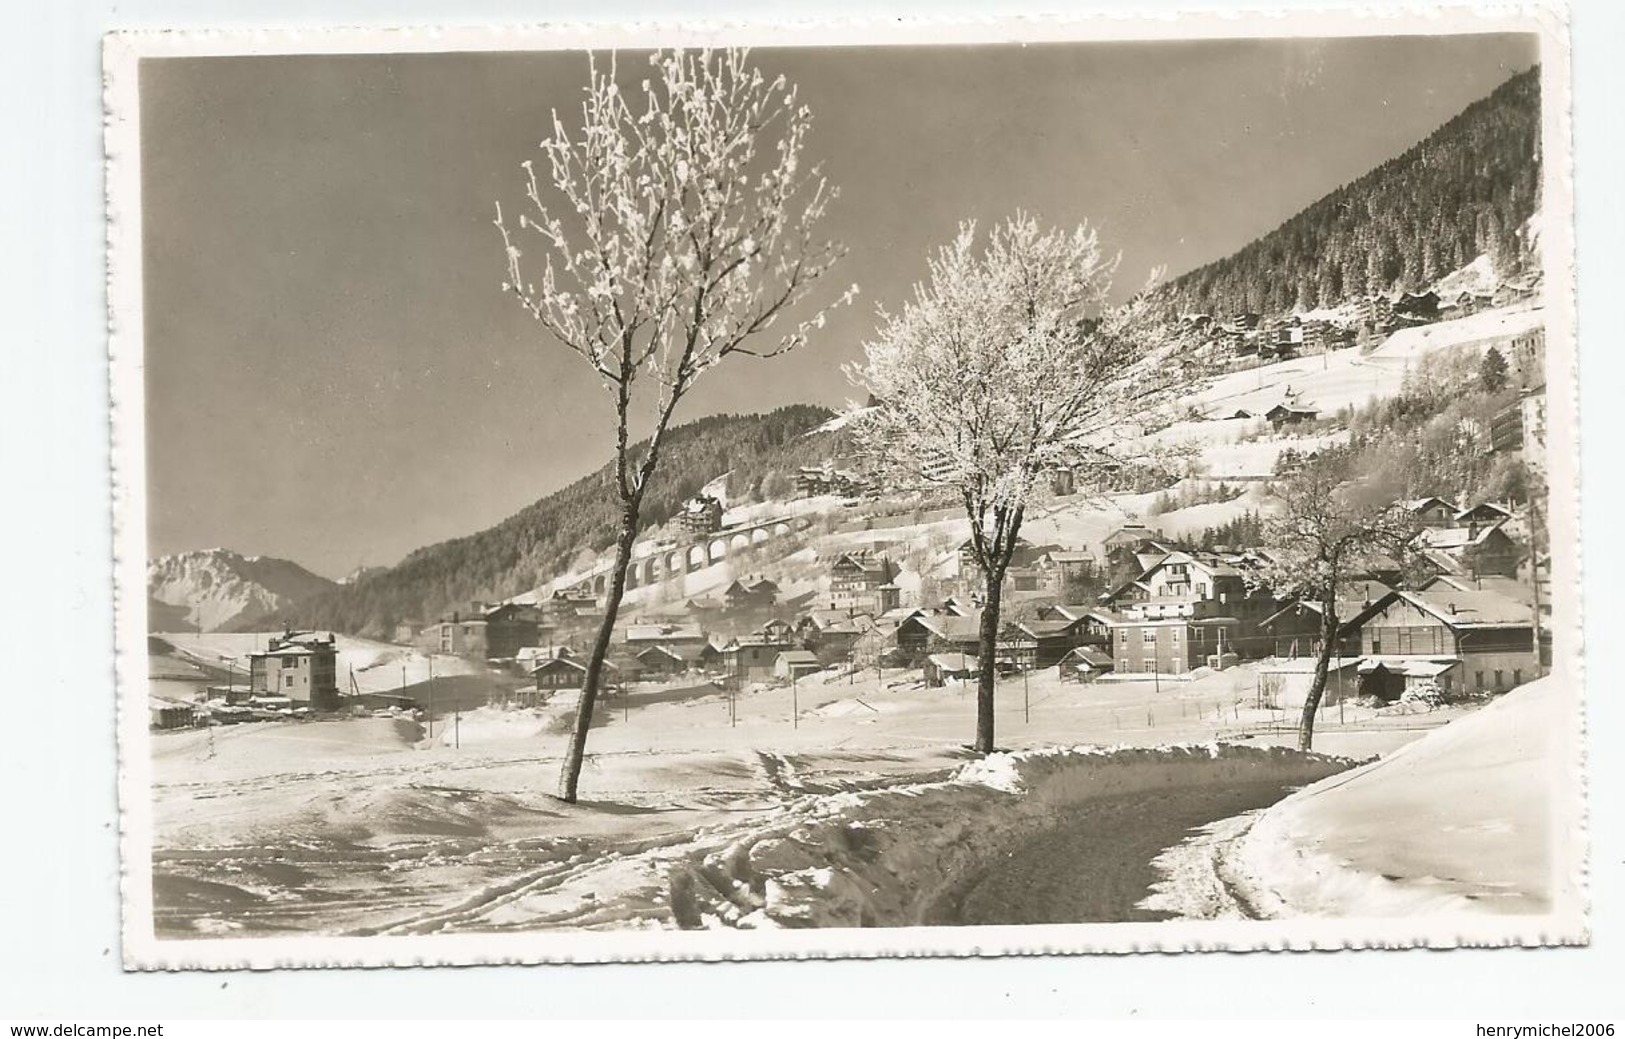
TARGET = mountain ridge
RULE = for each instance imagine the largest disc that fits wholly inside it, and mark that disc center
(1467, 189)
(217, 588)
(759, 452)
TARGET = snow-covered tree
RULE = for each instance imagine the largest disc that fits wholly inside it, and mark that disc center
(1008, 362)
(1329, 532)
(677, 228)
(1492, 371)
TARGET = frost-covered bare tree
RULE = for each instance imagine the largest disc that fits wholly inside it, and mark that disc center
(1329, 532)
(676, 229)
(1008, 361)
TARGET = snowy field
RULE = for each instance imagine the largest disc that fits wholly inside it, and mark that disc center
(378, 667)
(367, 825)
(1461, 821)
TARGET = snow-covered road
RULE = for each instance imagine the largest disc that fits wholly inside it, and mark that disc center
(1097, 865)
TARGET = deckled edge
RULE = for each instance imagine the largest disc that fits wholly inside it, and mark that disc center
(122, 53)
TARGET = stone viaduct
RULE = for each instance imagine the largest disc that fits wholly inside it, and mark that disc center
(661, 562)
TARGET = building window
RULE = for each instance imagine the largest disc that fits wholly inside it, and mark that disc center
(1149, 636)
(1499, 678)
(1478, 680)
(287, 680)
(1517, 676)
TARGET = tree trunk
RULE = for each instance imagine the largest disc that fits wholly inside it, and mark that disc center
(1317, 687)
(986, 652)
(576, 755)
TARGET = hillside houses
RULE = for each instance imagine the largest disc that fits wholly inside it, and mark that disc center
(700, 515)
(299, 665)
(1021, 555)
(571, 607)
(660, 661)
(1173, 645)
(1193, 584)
(832, 634)
(815, 480)
(1484, 636)
(1291, 410)
(793, 664)
(1130, 537)
(641, 636)
(1185, 608)
(862, 582)
(928, 631)
(1521, 427)
(1482, 514)
(752, 658)
(1474, 550)
(564, 671)
(1431, 511)
(492, 631)
(668, 650)
(1067, 574)
(752, 594)
(1416, 307)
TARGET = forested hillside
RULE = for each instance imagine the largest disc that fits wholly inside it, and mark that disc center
(1465, 191)
(761, 452)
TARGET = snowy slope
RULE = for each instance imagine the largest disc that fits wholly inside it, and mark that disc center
(1459, 821)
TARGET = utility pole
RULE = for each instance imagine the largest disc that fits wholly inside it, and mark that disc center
(431, 696)
(1026, 699)
(1534, 575)
(795, 702)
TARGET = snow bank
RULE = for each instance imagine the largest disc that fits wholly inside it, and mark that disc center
(887, 857)
(1458, 822)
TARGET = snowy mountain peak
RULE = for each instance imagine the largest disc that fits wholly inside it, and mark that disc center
(215, 588)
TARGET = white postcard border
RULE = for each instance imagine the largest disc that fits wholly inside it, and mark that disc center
(142, 950)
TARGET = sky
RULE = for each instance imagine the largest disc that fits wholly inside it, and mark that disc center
(334, 376)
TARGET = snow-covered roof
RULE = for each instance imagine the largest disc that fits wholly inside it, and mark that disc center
(952, 629)
(664, 633)
(1451, 538)
(1347, 611)
(1046, 629)
(1411, 667)
(1293, 407)
(1470, 609)
(1421, 504)
(1089, 656)
(954, 662)
(1070, 555)
(1304, 665)
(1488, 507)
(1510, 587)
